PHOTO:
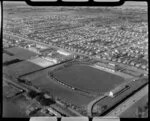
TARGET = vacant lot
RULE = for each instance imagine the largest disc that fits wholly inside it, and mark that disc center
(15, 108)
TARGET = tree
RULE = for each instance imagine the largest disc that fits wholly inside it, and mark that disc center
(32, 94)
(21, 80)
(44, 101)
(51, 74)
(146, 106)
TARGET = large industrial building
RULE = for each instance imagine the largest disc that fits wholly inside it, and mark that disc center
(108, 67)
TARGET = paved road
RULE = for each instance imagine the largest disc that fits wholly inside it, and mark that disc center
(17, 85)
(92, 103)
(90, 106)
(129, 102)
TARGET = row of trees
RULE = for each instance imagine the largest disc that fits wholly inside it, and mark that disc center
(40, 97)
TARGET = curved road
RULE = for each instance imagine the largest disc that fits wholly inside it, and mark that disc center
(129, 102)
(91, 104)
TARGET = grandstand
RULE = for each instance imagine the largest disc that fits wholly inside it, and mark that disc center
(108, 67)
(62, 52)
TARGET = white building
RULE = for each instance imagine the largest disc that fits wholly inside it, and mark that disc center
(33, 49)
(111, 94)
(62, 52)
(41, 46)
(51, 59)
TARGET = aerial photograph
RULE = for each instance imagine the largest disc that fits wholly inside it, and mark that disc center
(75, 61)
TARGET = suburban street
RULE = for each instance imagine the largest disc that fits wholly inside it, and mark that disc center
(99, 59)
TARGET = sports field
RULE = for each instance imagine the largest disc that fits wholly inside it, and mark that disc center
(42, 80)
(88, 78)
(80, 76)
(21, 53)
(7, 58)
(21, 68)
